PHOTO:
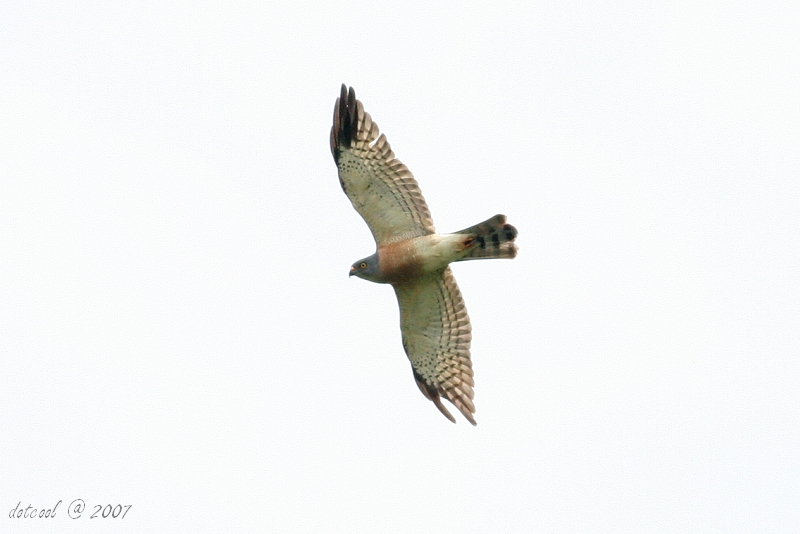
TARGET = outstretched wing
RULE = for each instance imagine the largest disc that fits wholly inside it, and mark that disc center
(383, 191)
(436, 337)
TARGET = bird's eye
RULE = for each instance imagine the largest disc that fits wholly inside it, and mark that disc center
(363, 265)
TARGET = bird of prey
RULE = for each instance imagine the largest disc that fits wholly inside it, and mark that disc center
(412, 257)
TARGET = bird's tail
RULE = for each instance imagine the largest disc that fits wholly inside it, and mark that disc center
(493, 238)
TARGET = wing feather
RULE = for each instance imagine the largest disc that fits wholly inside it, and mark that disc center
(383, 191)
(436, 337)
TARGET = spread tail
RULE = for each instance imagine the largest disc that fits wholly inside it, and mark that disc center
(493, 238)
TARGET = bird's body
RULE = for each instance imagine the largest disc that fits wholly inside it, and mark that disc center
(407, 260)
(412, 257)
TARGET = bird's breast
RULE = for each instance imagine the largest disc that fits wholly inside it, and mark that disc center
(400, 262)
(409, 259)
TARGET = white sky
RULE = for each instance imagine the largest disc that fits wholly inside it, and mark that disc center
(178, 331)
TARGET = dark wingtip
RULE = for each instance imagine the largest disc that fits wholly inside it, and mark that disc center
(345, 121)
(431, 394)
(351, 119)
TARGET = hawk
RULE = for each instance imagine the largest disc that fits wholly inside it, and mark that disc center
(412, 257)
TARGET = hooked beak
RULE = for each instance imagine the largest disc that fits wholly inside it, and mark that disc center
(352, 271)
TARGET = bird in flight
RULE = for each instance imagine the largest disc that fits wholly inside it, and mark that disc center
(412, 257)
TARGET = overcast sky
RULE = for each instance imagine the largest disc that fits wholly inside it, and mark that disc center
(178, 331)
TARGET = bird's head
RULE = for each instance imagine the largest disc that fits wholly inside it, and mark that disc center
(366, 268)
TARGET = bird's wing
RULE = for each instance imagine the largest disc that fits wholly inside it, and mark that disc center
(436, 337)
(383, 191)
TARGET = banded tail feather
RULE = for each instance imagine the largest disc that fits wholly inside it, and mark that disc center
(493, 238)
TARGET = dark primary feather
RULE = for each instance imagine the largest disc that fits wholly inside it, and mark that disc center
(345, 122)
